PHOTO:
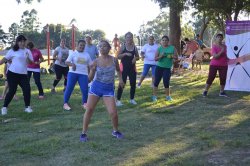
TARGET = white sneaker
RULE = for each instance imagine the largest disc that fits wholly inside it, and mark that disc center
(66, 107)
(118, 103)
(133, 102)
(28, 109)
(4, 111)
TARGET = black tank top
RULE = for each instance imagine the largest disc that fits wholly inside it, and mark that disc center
(127, 60)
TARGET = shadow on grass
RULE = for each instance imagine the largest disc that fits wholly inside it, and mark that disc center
(191, 130)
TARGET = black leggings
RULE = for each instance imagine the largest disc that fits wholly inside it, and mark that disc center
(132, 79)
(14, 80)
(162, 72)
(61, 71)
(36, 76)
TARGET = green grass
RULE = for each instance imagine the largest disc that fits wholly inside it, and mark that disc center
(191, 130)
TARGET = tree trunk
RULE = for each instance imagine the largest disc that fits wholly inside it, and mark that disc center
(175, 26)
(204, 26)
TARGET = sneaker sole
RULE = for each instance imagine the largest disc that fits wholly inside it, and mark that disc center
(66, 109)
(117, 137)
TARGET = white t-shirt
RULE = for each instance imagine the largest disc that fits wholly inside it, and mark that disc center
(149, 51)
(18, 60)
(82, 60)
(63, 53)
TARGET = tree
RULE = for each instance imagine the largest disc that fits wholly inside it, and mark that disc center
(27, 1)
(217, 12)
(187, 31)
(96, 35)
(157, 27)
(29, 21)
(175, 9)
(13, 31)
(3, 37)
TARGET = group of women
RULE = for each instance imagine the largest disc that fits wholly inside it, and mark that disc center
(84, 66)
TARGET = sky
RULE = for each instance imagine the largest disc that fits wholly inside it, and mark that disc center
(111, 16)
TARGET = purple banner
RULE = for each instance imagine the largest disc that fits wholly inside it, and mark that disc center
(237, 27)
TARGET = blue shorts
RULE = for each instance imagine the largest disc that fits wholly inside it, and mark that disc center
(146, 69)
(100, 89)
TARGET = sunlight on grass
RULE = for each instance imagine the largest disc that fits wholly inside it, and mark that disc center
(183, 132)
(42, 123)
(154, 151)
(230, 121)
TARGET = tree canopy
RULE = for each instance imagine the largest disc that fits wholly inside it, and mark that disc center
(27, 1)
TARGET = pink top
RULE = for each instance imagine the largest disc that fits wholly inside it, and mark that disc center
(36, 56)
(222, 60)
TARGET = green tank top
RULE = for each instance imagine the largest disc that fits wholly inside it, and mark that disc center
(167, 60)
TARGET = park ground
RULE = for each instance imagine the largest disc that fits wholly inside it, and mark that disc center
(191, 130)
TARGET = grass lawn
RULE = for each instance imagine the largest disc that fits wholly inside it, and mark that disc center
(191, 130)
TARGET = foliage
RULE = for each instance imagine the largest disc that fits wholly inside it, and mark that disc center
(157, 27)
(179, 5)
(3, 38)
(187, 32)
(96, 35)
(27, 1)
(175, 9)
(29, 21)
(217, 12)
(13, 31)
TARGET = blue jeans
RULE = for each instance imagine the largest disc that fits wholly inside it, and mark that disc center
(71, 82)
(146, 69)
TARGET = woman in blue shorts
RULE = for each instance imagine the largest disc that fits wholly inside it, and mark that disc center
(103, 68)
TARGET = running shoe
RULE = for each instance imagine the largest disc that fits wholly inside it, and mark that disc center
(154, 98)
(223, 94)
(66, 107)
(204, 94)
(4, 111)
(169, 98)
(119, 103)
(28, 109)
(133, 102)
(117, 134)
(83, 138)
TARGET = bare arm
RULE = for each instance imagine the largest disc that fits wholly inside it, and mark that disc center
(55, 55)
(121, 83)
(142, 55)
(29, 57)
(217, 55)
(41, 59)
(4, 60)
(137, 57)
(5, 70)
(158, 56)
(71, 64)
(121, 55)
(92, 71)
